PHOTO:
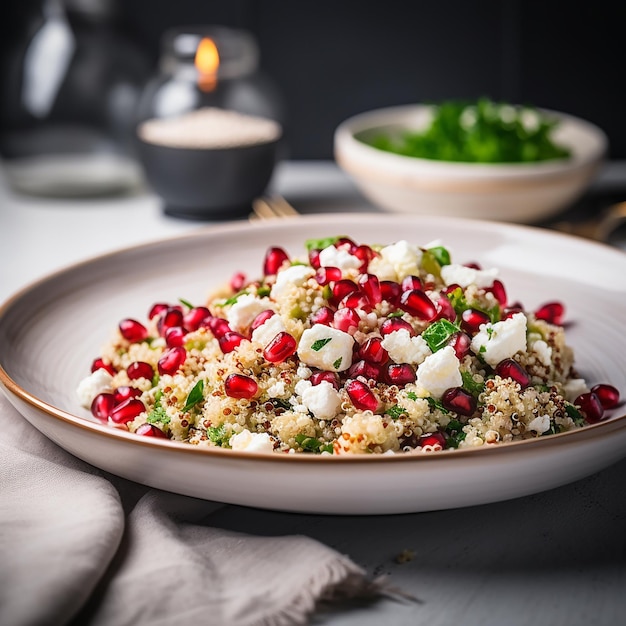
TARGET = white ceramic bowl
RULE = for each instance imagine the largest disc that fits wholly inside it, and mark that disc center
(524, 193)
(51, 331)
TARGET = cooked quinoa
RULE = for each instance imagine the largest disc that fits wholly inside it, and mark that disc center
(346, 349)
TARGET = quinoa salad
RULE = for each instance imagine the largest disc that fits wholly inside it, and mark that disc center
(346, 348)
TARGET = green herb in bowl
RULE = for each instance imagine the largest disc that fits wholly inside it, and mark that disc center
(483, 131)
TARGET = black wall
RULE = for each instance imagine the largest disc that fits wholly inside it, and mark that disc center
(334, 59)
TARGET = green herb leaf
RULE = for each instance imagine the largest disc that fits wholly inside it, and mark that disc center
(337, 363)
(311, 444)
(395, 412)
(470, 385)
(575, 414)
(186, 303)
(158, 414)
(441, 254)
(263, 291)
(320, 343)
(232, 299)
(320, 244)
(411, 395)
(218, 434)
(195, 395)
(436, 404)
(438, 334)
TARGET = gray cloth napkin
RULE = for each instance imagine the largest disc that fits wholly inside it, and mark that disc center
(80, 546)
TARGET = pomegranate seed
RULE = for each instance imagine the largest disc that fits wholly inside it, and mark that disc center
(390, 291)
(347, 320)
(175, 336)
(392, 324)
(460, 343)
(218, 326)
(452, 288)
(365, 369)
(551, 312)
(473, 265)
(193, 318)
(609, 395)
(512, 369)
(327, 274)
(436, 440)
(127, 411)
(140, 369)
(591, 405)
(172, 360)
(356, 300)
(331, 377)
(458, 400)
(156, 309)
(346, 242)
(400, 374)
(499, 292)
(445, 310)
(417, 303)
(123, 392)
(370, 285)
(323, 315)
(372, 351)
(510, 311)
(237, 281)
(240, 386)
(100, 364)
(229, 341)
(133, 331)
(472, 320)
(172, 316)
(102, 405)
(314, 258)
(365, 254)
(342, 288)
(280, 348)
(361, 395)
(411, 282)
(274, 259)
(260, 319)
(150, 430)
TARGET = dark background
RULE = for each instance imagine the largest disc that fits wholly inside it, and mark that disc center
(332, 60)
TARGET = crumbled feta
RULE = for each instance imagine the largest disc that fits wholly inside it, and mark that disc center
(403, 348)
(277, 390)
(495, 342)
(465, 276)
(403, 256)
(440, 371)
(323, 400)
(268, 330)
(539, 424)
(543, 352)
(338, 257)
(251, 442)
(326, 348)
(573, 388)
(245, 309)
(289, 279)
(88, 388)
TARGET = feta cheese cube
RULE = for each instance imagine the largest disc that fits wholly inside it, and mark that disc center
(403, 256)
(543, 352)
(289, 279)
(88, 388)
(465, 276)
(326, 348)
(268, 330)
(439, 372)
(251, 442)
(245, 309)
(323, 400)
(495, 342)
(403, 348)
(338, 257)
(573, 388)
(539, 424)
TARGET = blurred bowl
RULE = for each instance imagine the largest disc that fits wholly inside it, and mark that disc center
(524, 192)
(206, 179)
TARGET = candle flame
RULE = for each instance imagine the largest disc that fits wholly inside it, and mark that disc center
(207, 62)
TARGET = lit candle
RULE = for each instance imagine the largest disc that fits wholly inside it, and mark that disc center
(207, 62)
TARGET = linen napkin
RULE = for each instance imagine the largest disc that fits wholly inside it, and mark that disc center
(78, 546)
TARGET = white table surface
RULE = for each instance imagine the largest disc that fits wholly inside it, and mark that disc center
(553, 558)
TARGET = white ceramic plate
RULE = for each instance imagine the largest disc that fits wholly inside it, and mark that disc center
(51, 331)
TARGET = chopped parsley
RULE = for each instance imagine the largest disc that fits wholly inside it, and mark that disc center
(337, 363)
(436, 405)
(470, 385)
(438, 334)
(575, 414)
(311, 444)
(232, 299)
(320, 343)
(186, 303)
(395, 412)
(455, 433)
(441, 254)
(158, 413)
(411, 395)
(320, 244)
(195, 395)
(218, 434)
